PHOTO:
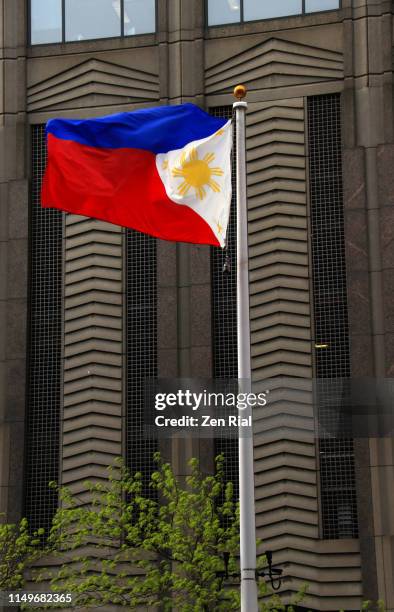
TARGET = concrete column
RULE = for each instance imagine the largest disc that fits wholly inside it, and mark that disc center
(368, 191)
(13, 255)
(187, 285)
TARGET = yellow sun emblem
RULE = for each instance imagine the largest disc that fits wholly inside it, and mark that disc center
(197, 173)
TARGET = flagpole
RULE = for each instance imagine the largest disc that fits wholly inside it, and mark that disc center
(246, 469)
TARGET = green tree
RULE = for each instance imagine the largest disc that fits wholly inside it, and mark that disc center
(370, 606)
(18, 549)
(124, 547)
(163, 550)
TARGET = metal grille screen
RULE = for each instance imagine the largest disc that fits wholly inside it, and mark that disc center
(141, 326)
(338, 488)
(224, 315)
(44, 373)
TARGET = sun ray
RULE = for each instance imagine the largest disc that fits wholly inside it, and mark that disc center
(183, 188)
(177, 172)
(193, 155)
(200, 192)
(209, 157)
(217, 171)
(214, 186)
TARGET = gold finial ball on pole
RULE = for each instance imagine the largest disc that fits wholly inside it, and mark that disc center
(240, 92)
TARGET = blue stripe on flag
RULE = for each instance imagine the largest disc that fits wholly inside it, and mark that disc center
(158, 130)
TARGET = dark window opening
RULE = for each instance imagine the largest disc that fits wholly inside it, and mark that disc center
(45, 346)
(337, 473)
(141, 348)
(224, 318)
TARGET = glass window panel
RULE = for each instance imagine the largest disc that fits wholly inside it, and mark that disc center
(223, 11)
(320, 5)
(92, 19)
(266, 9)
(139, 17)
(46, 21)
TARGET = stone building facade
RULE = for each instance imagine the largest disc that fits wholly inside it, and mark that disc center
(72, 296)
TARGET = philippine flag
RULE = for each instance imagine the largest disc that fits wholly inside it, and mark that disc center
(165, 171)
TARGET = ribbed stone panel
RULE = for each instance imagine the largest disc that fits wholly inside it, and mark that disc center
(272, 63)
(278, 240)
(286, 466)
(93, 358)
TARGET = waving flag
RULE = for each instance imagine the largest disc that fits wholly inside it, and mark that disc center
(164, 171)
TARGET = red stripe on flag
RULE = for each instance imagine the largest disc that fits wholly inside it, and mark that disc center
(121, 186)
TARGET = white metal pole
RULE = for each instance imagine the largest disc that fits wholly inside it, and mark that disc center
(249, 601)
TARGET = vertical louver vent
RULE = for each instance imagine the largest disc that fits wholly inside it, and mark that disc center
(44, 371)
(338, 489)
(141, 347)
(224, 316)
